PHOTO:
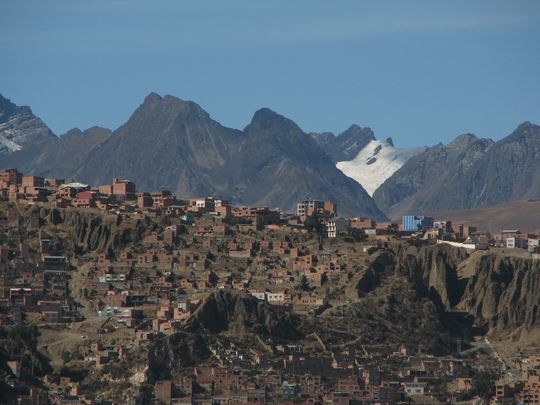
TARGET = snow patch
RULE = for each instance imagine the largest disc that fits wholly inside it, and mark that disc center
(7, 145)
(376, 162)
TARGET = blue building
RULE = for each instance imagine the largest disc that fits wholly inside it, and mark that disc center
(413, 223)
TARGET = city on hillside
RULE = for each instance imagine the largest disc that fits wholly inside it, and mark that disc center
(114, 295)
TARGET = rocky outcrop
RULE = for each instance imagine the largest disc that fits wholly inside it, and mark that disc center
(430, 295)
(19, 128)
(503, 294)
(347, 144)
(388, 308)
(167, 356)
(223, 315)
(93, 231)
(433, 270)
(500, 293)
(226, 311)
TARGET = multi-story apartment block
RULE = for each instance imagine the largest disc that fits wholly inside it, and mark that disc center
(33, 181)
(123, 188)
(413, 223)
(362, 223)
(204, 204)
(336, 226)
(306, 208)
(10, 176)
(443, 225)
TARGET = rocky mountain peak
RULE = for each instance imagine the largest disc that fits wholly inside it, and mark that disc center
(73, 132)
(526, 125)
(354, 127)
(7, 108)
(172, 107)
(152, 98)
(463, 140)
(266, 119)
(469, 145)
(357, 131)
(90, 132)
(471, 172)
(347, 144)
(525, 130)
(19, 128)
(24, 109)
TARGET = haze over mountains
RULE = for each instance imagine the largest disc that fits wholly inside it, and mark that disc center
(173, 144)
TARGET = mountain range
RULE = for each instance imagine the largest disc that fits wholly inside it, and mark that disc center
(347, 144)
(20, 128)
(469, 172)
(169, 143)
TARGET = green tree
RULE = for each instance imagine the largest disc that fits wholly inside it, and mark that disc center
(304, 283)
(261, 222)
(313, 222)
(483, 384)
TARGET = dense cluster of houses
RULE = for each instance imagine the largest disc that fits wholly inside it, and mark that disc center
(35, 282)
(470, 237)
(524, 390)
(345, 377)
(209, 244)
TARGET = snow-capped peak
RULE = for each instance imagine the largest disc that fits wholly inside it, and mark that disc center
(376, 162)
(7, 145)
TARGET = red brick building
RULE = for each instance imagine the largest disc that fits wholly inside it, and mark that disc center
(10, 176)
(33, 181)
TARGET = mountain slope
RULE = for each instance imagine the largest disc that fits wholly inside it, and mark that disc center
(167, 143)
(510, 170)
(435, 178)
(174, 144)
(346, 145)
(376, 162)
(278, 165)
(57, 156)
(19, 127)
(468, 173)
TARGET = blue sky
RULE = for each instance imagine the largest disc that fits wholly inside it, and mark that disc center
(419, 71)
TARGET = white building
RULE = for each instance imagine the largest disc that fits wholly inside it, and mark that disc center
(335, 227)
(415, 388)
(533, 243)
(514, 242)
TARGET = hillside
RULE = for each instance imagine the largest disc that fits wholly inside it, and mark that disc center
(410, 294)
(522, 215)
